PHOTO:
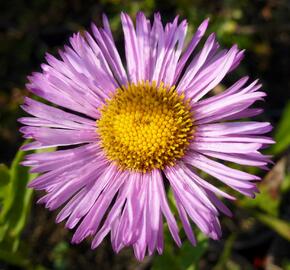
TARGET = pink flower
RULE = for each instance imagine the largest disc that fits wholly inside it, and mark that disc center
(130, 130)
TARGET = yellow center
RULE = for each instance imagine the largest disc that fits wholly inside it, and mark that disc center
(145, 126)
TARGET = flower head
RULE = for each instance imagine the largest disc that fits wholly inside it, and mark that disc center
(131, 130)
(145, 127)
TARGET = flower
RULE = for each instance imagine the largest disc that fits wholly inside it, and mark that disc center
(131, 132)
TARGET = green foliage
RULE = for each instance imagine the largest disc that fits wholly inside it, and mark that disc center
(4, 176)
(15, 207)
(265, 207)
(282, 134)
(282, 227)
(285, 187)
(59, 255)
(16, 204)
(286, 265)
(185, 258)
(225, 256)
(263, 201)
(14, 258)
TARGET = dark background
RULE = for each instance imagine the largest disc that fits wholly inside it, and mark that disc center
(28, 29)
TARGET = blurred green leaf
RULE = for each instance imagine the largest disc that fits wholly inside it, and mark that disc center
(286, 265)
(285, 187)
(191, 255)
(59, 256)
(14, 258)
(167, 260)
(282, 134)
(4, 175)
(269, 198)
(185, 258)
(278, 225)
(263, 201)
(15, 205)
(4, 180)
(226, 253)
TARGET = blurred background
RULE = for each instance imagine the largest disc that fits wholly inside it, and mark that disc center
(256, 238)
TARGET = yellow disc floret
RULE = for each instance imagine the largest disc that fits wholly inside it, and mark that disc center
(145, 126)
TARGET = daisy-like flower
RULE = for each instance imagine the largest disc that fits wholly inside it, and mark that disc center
(130, 131)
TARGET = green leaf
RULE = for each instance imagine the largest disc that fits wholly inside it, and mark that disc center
(280, 226)
(282, 134)
(269, 198)
(167, 260)
(263, 201)
(14, 211)
(185, 258)
(190, 256)
(226, 253)
(286, 265)
(15, 205)
(59, 256)
(14, 259)
(286, 184)
(4, 175)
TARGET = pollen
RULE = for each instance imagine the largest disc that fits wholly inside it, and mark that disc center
(145, 126)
